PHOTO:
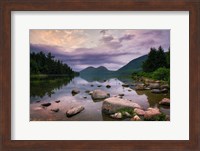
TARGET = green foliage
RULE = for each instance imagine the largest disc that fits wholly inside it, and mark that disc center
(46, 64)
(128, 110)
(156, 59)
(161, 117)
(161, 74)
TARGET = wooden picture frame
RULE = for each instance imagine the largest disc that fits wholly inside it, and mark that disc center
(7, 6)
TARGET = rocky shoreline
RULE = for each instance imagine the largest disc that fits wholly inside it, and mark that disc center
(118, 107)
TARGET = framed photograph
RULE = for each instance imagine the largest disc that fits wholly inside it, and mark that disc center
(95, 75)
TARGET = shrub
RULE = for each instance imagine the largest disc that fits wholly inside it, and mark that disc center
(161, 74)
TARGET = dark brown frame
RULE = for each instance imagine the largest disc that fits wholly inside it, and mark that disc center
(6, 6)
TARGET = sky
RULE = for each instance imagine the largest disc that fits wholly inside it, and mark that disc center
(112, 48)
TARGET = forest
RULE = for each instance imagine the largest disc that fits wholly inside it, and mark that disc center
(156, 66)
(40, 63)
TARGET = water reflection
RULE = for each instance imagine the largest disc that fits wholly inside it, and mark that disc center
(50, 89)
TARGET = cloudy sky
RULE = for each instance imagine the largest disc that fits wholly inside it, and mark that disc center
(94, 47)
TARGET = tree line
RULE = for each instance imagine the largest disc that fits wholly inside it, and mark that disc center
(40, 63)
(157, 65)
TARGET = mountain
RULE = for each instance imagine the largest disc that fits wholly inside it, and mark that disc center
(96, 74)
(129, 68)
(133, 65)
(95, 71)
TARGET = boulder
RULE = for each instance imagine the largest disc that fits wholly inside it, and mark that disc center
(75, 91)
(114, 104)
(154, 85)
(136, 118)
(85, 97)
(140, 87)
(117, 115)
(46, 104)
(139, 111)
(74, 111)
(151, 112)
(99, 95)
(165, 101)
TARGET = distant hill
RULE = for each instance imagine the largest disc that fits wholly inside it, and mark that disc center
(133, 65)
(95, 71)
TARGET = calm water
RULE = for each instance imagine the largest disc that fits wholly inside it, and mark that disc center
(50, 89)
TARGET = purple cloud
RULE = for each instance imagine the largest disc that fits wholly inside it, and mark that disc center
(126, 37)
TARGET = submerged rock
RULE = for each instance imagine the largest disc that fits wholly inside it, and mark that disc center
(75, 91)
(114, 104)
(117, 115)
(46, 104)
(99, 95)
(55, 110)
(85, 97)
(165, 101)
(74, 111)
(151, 112)
(99, 86)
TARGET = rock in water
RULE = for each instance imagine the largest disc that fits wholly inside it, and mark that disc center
(165, 101)
(154, 85)
(140, 87)
(55, 110)
(156, 91)
(74, 111)
(75, 91)
(125, 85)
(99, 95)
(136, 118)
(151, 112)
(165, 86)
(121, 94)
(114, 104)
(108, 86)
(159, 91)
(57, 101)
(46, 104)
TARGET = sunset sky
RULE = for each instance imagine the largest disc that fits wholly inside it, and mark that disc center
(95, 47)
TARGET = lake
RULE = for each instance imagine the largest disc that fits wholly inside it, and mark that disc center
(50, 89)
